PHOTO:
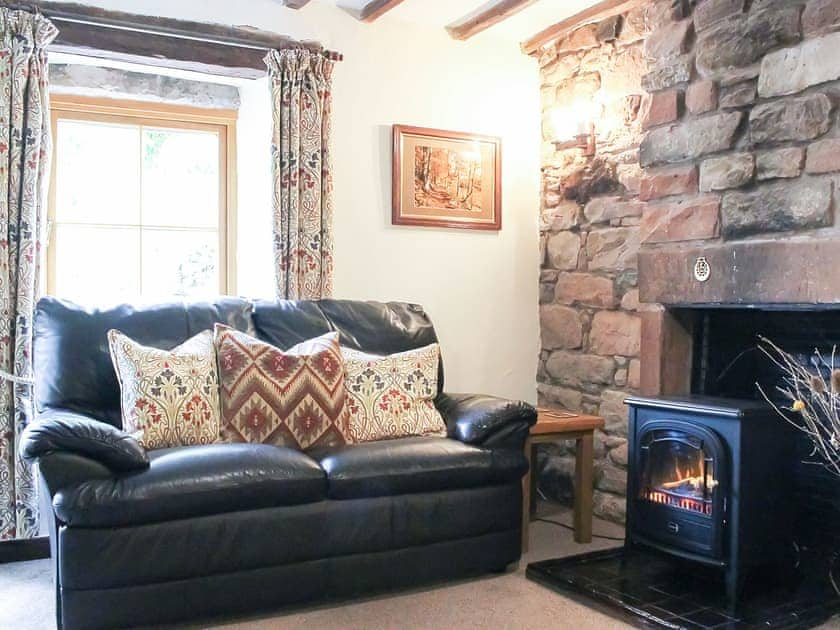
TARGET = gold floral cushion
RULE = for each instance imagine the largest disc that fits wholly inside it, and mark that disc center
(294, 398)
(169, 397)
(392, 396)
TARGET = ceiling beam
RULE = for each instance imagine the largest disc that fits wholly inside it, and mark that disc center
(599, 11)
(485, 17)
(294, 4)
(376, 9)
(236, 51)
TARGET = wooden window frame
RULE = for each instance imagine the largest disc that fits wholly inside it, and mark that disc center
(167, 116)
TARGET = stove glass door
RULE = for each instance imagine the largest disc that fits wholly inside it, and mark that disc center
(677, 470)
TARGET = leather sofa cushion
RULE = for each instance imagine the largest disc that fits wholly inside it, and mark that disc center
(415, 464)
(185, 482)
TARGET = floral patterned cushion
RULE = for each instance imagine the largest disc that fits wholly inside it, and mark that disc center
(293, 398)
(169, 397)
(392, 396)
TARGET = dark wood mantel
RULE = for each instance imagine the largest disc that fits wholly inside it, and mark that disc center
(235, 51)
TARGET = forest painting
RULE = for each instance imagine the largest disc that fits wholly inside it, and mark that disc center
(446, 179)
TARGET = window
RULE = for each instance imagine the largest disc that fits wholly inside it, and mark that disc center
(141, 201)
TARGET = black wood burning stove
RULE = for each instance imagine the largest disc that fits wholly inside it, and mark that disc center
(709, 481)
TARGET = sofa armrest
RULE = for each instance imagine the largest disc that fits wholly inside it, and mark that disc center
(486, 420)
(60, 431)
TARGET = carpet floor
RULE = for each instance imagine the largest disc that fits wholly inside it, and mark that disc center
(508, 601)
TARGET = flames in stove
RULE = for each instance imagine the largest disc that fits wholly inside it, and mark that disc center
(687, 489)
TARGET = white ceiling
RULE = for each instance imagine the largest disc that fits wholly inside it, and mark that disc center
(440, 13)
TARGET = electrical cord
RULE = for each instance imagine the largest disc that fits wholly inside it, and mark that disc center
(569, 527)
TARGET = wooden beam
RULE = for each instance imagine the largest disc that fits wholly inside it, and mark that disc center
(236, 51)
(294, 4)
(374, 10)
(599, 11)
(488, 15)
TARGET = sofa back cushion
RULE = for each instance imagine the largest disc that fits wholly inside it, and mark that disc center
(380, 328)
(73, 368)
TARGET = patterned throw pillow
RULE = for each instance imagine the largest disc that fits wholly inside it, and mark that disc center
(169, 397)
(392, 396)
(293, 398)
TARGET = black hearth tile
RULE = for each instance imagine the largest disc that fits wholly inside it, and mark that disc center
(637, 590)
(679, 606)
(656, 611)
(708, 618)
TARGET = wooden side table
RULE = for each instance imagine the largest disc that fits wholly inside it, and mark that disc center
(554, 425)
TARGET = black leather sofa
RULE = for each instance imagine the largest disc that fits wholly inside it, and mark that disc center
(189, 533)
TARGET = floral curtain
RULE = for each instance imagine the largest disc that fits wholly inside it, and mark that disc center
(24, 157)
(301, 83)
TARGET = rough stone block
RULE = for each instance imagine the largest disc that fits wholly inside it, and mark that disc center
(552, 395)
(823, 156)
(585, 289)
(779, 163)
(741, 41)
(573, 369)
(678, 180)
(615, 333)
(664, 107)
(792, 70)
(711, 12)
(777, 207)
(634, 374)
(609, 478)
(561, 327)
(701, 97)
(729, 171)
(563, 250)
(738, 95)
(668, 74)
(614, 412)
(690, 140)
(630, 176)
(803, 118)
(619, 455)
(671, 40)
(609, 506)
(821, 16)
(682, 220)
(584, 37)
(603, 209)
(608, 30)
(565, 215)
(613, 248)
(630, 300)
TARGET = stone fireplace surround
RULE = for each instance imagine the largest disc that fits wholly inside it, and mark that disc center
(738, 161)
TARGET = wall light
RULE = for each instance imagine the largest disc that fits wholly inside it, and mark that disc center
(574, 127)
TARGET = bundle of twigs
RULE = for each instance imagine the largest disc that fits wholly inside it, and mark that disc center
(814, 396)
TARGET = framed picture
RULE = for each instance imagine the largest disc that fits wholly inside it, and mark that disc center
(446, 179)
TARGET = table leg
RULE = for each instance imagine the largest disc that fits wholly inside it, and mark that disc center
(583, 489)
(526, 496)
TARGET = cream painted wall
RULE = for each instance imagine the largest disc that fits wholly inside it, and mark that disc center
(481, 289)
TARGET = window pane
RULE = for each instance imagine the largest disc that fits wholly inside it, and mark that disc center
(97, 173)
(97, 265)
(180, 178)
(180, 264)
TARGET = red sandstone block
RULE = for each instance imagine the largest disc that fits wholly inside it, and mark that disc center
(664, 108)
(674, 181)
(683, 220)
(701, 97)
(823, 156)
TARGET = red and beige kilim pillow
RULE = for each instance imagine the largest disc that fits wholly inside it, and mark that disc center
(293, 397)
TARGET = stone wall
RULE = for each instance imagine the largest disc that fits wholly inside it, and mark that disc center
(591, 211)
(86, 80)
(732, 105)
